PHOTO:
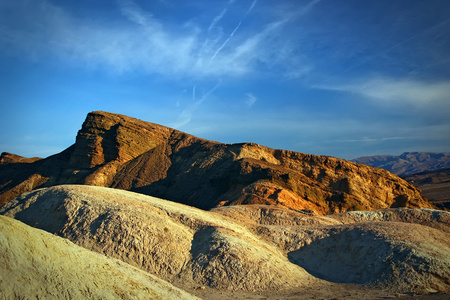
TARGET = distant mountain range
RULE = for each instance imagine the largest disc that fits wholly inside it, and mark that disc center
(407, 163)
(121, 152)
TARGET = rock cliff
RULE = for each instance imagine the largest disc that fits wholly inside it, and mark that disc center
(117, 151)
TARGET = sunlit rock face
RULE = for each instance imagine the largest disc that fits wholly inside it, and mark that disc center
(117, 151)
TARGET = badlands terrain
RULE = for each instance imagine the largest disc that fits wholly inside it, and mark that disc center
(246, 251)
(135, 210)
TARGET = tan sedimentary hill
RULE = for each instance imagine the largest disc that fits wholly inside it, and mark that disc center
(117, 151)
(251, 249)
(177, 242)
(38, 265)
(9, 158)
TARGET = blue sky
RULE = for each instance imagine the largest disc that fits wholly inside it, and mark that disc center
(344, 78)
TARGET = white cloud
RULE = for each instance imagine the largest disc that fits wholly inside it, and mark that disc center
(386, 91)
(378, 139)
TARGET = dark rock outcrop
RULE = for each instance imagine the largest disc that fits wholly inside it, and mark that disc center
(116, 151)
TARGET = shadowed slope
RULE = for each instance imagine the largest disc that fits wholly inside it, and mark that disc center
(435, 185)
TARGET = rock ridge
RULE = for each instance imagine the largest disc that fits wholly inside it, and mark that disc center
(118, 151)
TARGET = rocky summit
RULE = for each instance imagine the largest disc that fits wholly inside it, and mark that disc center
(121, 152)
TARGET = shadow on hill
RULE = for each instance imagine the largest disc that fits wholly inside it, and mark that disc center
(351, 256)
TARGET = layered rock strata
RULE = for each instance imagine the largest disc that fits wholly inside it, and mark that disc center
(117, 151)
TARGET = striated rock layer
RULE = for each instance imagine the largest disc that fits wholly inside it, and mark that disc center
(116, 151)
(251, 248)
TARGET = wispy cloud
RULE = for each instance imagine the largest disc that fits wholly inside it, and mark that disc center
(251, 100)
(193, 92)
(386, 91)
(378, 139)
(187, 114)
(217, 19)
(135, 14)
(42, 29)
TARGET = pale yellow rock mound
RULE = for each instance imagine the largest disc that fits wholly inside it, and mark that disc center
(35, 264)
(253, 248)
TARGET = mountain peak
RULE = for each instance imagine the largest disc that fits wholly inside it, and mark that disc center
(105, 137)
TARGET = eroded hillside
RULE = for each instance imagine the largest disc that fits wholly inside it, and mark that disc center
(251, 249)
(38, 265)
(121, 152)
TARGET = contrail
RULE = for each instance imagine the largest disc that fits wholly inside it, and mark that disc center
(224, 43)
(210, 29)
(206, 95)
(188, 113)
(232, 33)
(251, 7)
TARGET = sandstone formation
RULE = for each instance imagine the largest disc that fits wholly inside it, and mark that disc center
(408, 163)
(121, 152)
(251, 249)
(38, 265)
